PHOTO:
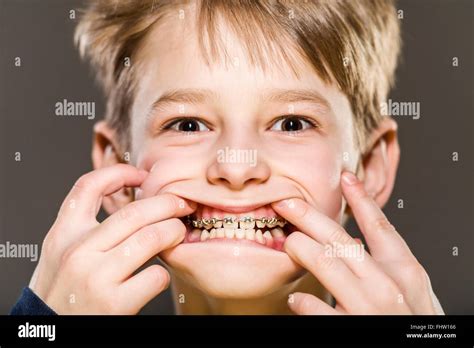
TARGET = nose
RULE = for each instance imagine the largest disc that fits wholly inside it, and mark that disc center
(237, 168)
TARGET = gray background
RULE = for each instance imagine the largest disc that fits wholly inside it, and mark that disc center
(437, 192)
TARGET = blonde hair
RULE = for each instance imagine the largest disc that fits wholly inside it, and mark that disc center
(354, 44)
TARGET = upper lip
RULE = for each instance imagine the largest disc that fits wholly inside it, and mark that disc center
(235, 209)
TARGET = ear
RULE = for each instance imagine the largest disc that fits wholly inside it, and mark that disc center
(380, 161)
(107, 152)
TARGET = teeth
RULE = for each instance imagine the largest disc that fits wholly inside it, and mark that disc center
(208, 223)
(272, 223)
(239, 233)
(250, 234)
(278, 233)
(268, 238)
(247, 223)
(195, 234)
(229, 232)
(212, 234)
(230, 222)
(204, 235)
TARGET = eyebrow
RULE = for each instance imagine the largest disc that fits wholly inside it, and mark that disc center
(297, 95)
(201, 96)
(184, 96)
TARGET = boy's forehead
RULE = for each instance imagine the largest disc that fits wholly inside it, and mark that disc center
(171, 57)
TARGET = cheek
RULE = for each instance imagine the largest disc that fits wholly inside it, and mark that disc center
(167, 165)
(318, 171)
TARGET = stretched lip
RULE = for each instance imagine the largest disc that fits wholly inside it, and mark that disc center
(235, 209)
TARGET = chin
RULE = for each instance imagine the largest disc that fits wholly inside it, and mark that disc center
(234, 269)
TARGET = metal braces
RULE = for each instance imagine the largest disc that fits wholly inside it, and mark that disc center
(208, 223)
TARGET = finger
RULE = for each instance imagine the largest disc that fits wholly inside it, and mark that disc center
(328, 233)
(144, 287)
(85, 197)
(333, 274)
(306, 304)
(141, 246)
(123, 223)
(383, 240)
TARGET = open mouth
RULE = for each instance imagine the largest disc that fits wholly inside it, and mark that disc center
(261, 226)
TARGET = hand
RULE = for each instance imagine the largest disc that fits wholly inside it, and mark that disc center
(389, 281)
(87, 267)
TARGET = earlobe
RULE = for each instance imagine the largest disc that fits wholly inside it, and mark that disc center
(380, 163)
(106, 152)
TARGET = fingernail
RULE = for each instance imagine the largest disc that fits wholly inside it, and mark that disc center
(281, 204)
(349, 178)
(138, 193)
(286, 203)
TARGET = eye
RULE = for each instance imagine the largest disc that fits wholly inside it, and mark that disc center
(293, 124)
(188, 124)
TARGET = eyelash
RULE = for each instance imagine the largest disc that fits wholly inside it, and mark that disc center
(177, 121)
(312, 123)
(169, 125)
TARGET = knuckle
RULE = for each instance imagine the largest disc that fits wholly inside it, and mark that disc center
(171, 201)
(382, 225)
(414, 273)
(388, 293)
(84, 183)
(123, 166)
(362, 194)
(340, 236)
(325, 262)
(148, 236)
(49, 245)
(128, 213)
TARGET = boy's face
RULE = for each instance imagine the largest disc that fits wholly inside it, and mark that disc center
(238, 107)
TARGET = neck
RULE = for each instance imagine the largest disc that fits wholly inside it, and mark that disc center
(189, 300)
